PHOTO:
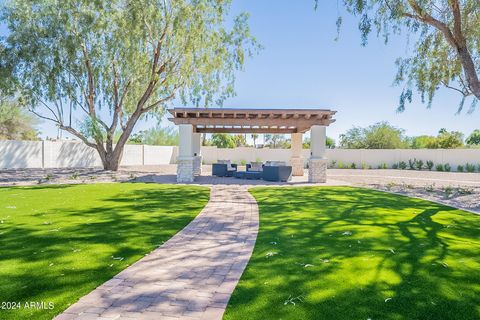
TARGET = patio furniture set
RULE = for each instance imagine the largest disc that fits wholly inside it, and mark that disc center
(269, 171)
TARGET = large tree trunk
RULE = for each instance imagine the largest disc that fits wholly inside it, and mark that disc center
(112, 161)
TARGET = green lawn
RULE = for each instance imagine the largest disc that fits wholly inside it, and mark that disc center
(60, 242)
(348, 253)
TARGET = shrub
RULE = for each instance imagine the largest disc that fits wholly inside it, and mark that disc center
(447, 167)
(419, 164)
(460, 168)
(364, 165)
(353, 165)
(333, 163)
(402, 165)
(243, 162)
(429, 165)
(412, 163)
(439, 167)
(341, 165)
(447, 191)
(395, 166)
(470, 167)
(384, 166)
(49, 177)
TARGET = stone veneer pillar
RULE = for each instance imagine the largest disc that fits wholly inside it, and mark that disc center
(186, 159)
(296, 159)
(317, 164)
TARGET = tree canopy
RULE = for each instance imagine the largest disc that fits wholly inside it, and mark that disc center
(96, 67)
(158, 136)
(444, 140)
(223, 140)
(16, 123)
(381, 135)
(474, 138)
(446, 43)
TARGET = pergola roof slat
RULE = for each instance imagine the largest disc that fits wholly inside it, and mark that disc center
(251, 120)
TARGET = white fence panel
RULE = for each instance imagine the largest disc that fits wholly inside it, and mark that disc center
(21, 154)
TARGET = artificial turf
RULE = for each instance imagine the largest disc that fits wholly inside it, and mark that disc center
(349, 253)
(60, 242)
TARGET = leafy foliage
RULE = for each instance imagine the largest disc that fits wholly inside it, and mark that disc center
(444, 140)
(158, 136)
(277, 141)
(15, 122)
(99, 62)
(446, 50)
(473, 138)
(329, 142)
(381, 135)
(223, 140)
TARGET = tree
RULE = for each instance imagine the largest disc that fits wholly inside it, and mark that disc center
(424, 142)
(107, 64)
(474, 138)
(254, 137)
(277, 141)
(329, 142)
(449, 140)
(381, 135)
(240, 140)
(15, 122)
(444, 140)
(223, 140)
(446, 52)
(158, 136)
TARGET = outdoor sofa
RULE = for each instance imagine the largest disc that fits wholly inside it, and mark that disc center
(224, 169)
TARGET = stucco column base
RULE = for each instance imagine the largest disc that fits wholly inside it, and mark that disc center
(317, 170)
(297, 166)
(185, 169)
(197, 166)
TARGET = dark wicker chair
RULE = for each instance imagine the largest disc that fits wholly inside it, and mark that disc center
(221, 170)
(277, 173)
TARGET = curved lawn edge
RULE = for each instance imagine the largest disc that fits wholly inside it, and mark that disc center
(426, 199)
(59, 242)
(358, 253)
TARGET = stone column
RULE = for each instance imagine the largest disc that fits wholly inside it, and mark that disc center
(296, 159)
(317, 165)
(185, 160)
(197, 154)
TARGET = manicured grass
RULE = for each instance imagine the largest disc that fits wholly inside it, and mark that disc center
(350, 253)
(60, 242)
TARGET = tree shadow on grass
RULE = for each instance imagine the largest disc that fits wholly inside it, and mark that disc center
(351, 253)
(61, 248)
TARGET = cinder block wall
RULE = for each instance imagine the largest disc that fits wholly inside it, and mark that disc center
(72, 154)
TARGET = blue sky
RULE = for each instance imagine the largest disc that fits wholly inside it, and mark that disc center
(302, 66)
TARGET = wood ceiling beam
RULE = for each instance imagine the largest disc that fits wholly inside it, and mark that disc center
(252, 122)
(246, 130)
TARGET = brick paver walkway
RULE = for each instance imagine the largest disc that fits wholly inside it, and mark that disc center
(191, 276)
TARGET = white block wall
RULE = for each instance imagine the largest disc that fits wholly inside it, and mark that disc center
(71, 154)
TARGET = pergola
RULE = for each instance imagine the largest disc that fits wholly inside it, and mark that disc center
(193, 122)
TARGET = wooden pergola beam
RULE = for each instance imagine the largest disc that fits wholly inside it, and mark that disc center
(226, 120)
(246, 130)
(252, 122)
